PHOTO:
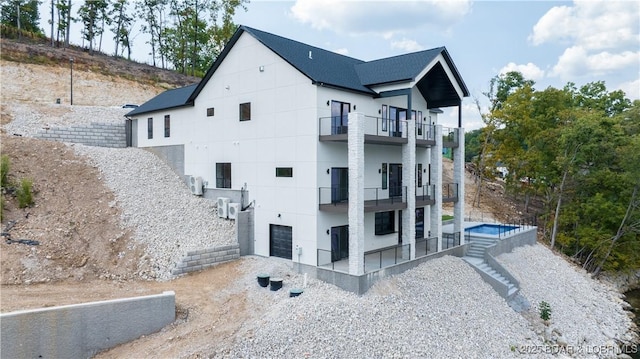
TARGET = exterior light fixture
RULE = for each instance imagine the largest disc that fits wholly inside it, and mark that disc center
(328, 171)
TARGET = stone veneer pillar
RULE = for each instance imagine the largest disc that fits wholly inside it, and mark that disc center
(458, 177)
(409, 181)
(436, 180)
(355, 148)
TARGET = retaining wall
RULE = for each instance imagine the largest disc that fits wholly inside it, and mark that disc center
(83, 330)
(93, 134)
(204, 258)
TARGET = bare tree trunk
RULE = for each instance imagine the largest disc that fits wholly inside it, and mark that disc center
(52, 20)
(620, 231)
(66, 38)
(556, 215)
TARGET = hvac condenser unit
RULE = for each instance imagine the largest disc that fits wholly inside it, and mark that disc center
(195, 184)
(234, 208)
(223, 207)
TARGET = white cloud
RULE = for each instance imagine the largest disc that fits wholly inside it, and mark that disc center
(592, 25)
(631, 89)
(530, 71)
(576, 61)
(601, 37)
(342, 51)
(384, 18)
(407, 45)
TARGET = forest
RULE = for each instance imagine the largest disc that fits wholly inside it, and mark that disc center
(184, 35)
(576, 151)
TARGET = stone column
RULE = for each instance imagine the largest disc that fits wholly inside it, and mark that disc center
(458, 177)
(355, 148)
(409, 181)
(436, 180)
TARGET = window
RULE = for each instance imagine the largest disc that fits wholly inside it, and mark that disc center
(167, 125)
(150, 128)
(385, 116)
(384, 176)
(223, 175)
(210, 111)
(419, 176)
(245, 111)
(339, 117)
(385, 222)
(284, 172)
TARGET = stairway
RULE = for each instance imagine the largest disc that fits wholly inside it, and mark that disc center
(489, 269)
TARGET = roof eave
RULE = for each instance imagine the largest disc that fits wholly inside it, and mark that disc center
(132, 114)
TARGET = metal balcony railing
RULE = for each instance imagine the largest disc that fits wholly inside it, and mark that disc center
(425, 132)
(450, 240)
(374, 126)
(385, 257)
(372, 196)
(426, 246)
(449, 192)
(425, 193)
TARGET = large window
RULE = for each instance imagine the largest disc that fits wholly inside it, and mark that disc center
(385, 222)
(223, 175)
(150, 128)
(167, 125)
(245, 111)
(339, 117)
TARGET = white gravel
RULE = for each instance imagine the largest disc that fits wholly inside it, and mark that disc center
(441, 309)
(166, 217)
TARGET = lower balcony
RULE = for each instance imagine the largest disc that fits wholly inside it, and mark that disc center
(373, 260)
(336, 199)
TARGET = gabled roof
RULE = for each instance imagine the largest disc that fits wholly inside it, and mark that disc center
(166, 100)
(328, 68)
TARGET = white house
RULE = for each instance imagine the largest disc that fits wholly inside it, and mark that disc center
(338, 161)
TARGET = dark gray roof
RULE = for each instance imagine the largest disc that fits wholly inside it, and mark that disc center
(166, 100)
(397, 68)
(328, 68)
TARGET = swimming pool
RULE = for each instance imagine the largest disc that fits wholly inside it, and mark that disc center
(491, 229)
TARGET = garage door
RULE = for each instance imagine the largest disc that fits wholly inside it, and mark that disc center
(281, 239)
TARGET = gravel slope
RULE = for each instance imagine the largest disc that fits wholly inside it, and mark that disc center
(166, 217)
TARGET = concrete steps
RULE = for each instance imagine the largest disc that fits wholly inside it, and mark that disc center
(495, 277)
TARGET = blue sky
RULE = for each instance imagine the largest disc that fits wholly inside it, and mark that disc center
(551, 42)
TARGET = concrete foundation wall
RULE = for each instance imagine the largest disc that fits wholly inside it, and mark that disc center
(205, 258)
(82, 330)
(360, 284)
(528, 236)
(94, 134)
(244, 231)
(172, 155)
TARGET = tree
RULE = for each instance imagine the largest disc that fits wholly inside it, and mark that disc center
(152, 12)
(500, 88)
(122, 23)
(21, 14)
(92, 13)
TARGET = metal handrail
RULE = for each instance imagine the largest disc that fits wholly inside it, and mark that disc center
(334, 195)
(397, 251)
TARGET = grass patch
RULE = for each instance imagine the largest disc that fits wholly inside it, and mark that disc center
(446, 217)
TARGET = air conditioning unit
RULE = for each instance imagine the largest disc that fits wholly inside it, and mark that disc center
(223, 207)
(234, 208)
(195, 184)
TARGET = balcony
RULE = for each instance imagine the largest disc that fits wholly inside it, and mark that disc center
(425, 195)
(335, 199)
(425, 135)
(450, 137)
(373, 260)
(426, 246)
(449, 192)
(381, 131)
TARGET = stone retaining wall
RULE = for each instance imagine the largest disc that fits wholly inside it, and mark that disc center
(93, 134)
(82, 330)
(204, 258)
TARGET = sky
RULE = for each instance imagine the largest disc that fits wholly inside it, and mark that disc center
(550, 42)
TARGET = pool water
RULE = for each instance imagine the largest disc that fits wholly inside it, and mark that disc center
(493, 229)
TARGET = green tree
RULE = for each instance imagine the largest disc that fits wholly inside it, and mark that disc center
(21, 14)
(92, 14)
(122, 22)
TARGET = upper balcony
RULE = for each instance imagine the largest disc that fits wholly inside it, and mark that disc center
(378, 130)
(336, 199)
(450, 137)
(425, 195)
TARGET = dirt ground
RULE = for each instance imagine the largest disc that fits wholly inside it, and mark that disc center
(83, 253)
